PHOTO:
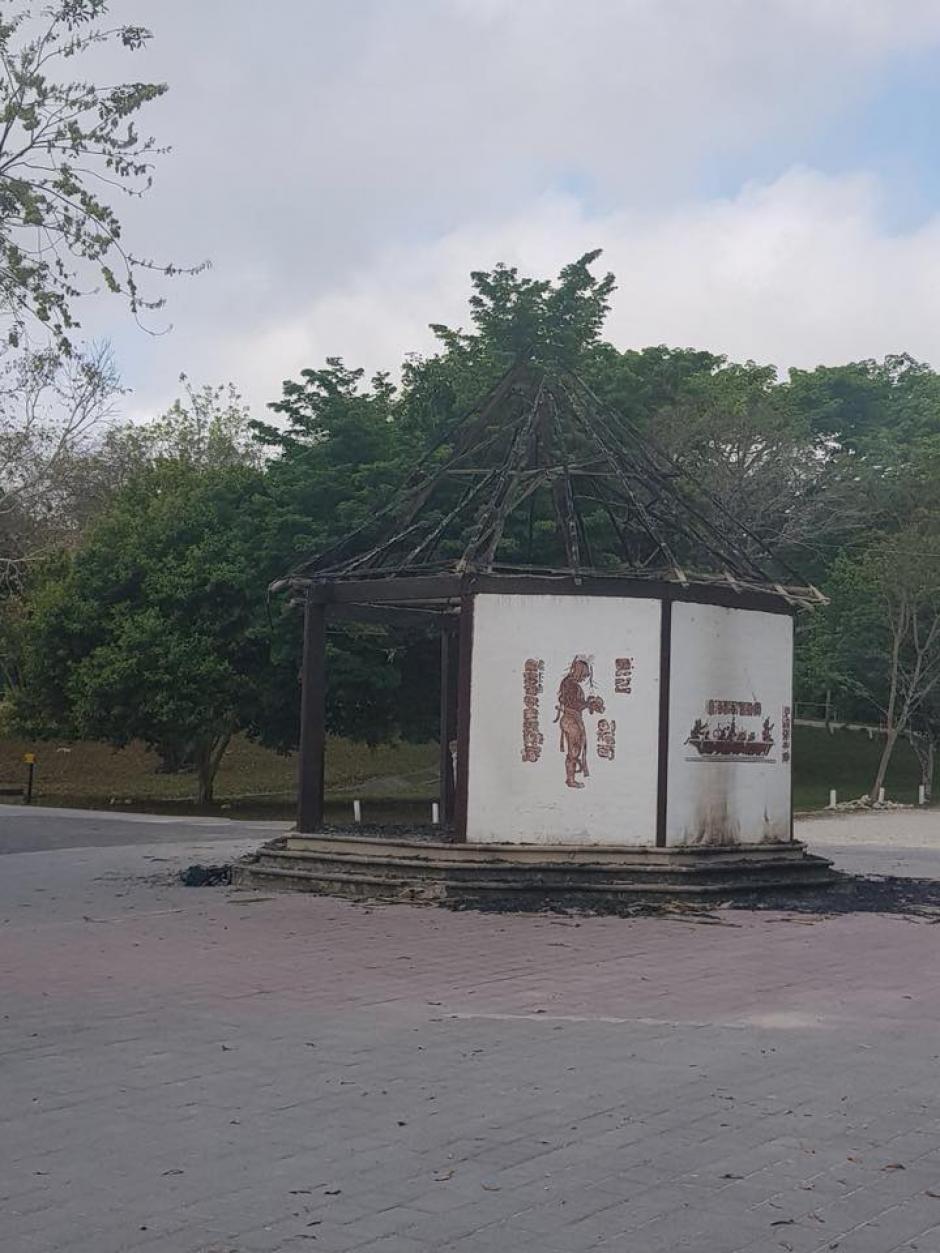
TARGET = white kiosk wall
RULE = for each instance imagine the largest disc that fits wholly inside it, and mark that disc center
(729, 726)
(564, 715)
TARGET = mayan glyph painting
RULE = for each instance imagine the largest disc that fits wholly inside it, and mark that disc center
(563, 728)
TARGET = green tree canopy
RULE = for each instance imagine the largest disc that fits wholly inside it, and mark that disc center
(158, 626)
(151, 630)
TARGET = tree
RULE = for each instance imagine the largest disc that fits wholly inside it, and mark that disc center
(342, 446)
(345, 444)
(66, 147)
(63, 464)
(643, 384)
(735, 430)
(155, 630)
(881, 635)
(924, 736)
(553, 323)
(51, 409)
(905, 573)
(206, 428)
(512, 318)
(156, 626)
(852, 406)
(340, 452)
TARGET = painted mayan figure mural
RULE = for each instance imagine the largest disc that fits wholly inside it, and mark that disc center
(569, 715)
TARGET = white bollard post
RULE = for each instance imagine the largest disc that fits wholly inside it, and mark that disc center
(435, 813)
(357, 812)
(881, 796)
(833, 799)
(921, 795)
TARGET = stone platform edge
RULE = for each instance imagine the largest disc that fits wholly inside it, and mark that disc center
(402, 870)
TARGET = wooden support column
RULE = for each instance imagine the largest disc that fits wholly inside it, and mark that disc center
(464, 663)
(312, 719)
(665, 670)
(448, 721)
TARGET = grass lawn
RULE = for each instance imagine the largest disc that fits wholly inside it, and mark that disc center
(847, 761)
(394, 781)
(252, 781)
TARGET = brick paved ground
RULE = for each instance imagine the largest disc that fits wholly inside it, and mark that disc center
(190, 1070)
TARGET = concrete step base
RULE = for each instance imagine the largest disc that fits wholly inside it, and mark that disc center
(524, 876)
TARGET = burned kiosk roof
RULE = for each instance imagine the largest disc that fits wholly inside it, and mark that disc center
(542, 480)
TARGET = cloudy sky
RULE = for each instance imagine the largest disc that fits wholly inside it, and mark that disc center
(762, 175)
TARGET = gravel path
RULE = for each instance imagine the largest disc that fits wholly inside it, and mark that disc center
(901, 842)
(895, 828)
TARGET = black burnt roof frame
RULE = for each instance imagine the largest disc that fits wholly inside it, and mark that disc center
(695, 522)
(525, 492)
(413, 485)
(607, 505)
(633, 477)
(429, 543)
(577, 500)
(647, 443)
(421, 494)
(503, 501)
(639, 509)
(626, 468)
(418, 497)
(562, 498)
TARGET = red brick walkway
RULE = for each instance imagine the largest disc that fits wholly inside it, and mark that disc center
(187, 1070)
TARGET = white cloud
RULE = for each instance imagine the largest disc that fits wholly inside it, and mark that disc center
(796, 272)
(868, 25)
(346, 165)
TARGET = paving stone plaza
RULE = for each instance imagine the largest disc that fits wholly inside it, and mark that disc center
(201, 1071)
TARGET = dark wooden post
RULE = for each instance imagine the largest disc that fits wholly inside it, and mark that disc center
(448, 721)
(665, 672)
(464, 663)
(312, 719)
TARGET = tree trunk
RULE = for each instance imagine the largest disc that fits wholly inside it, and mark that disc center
(891, 722)
(891, 738)
(927, 766)
(924, 747)
(208, 759)
(204, 780)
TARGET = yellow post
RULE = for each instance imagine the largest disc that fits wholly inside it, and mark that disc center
(30, 759)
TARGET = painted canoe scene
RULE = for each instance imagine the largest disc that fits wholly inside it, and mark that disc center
(729, 741)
